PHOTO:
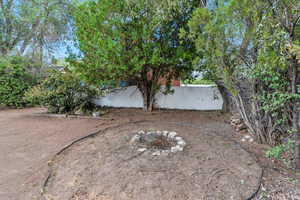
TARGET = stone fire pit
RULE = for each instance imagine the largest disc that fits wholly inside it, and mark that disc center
(157, 142)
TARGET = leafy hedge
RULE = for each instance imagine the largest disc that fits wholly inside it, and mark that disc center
(63, 92)
(199, 82)
(15, 80)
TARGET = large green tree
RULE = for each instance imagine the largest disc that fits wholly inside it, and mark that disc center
(134, 40)
(251, 47)
(33, 25)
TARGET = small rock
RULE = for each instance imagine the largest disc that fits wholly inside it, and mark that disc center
(247, 136)
(237, 121)
(180, 148)
(166, 151)
(242, 132)
(173, 149)
(96, 114)
(141, 149)
(134, 139)
(141, 132)
(243, 140)
(251, 140)
(176, 149)
(156, 153)
(181, 143)
(79, 112)
(241, 127)
(172, 134)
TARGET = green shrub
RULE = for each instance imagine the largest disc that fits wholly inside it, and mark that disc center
(63, 92)
(199, 82)
(284, 152)
(275, 152)
(15, 80)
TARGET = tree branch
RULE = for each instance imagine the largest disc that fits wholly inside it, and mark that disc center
(294, 25)
(276, 16)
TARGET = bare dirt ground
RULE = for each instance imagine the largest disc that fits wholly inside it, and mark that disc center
(107, 167)
(28, 142)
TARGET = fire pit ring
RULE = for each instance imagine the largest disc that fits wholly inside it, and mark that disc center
(158, 142)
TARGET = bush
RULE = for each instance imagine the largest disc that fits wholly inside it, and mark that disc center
(63, 92)
(199, 82)
(15, 80)
(284, 152)
(276, 152)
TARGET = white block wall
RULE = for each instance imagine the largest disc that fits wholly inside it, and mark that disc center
(185, 97)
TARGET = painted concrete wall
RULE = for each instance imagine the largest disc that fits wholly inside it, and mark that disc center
(188, 97)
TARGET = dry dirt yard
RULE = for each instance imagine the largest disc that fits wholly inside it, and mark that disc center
(213, 165)
(27, 142)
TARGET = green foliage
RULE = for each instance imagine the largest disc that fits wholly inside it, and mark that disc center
(284, 152)
(199, 82)
(275, 152)
(133, 40)
(15, 80)
(252, 46)
(275, 96)
(221, 35)
(121, 39)
(63, 92)
(25, 25)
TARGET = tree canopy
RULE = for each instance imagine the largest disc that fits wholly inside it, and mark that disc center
(134, 40)
(251, 46)
(33, 26)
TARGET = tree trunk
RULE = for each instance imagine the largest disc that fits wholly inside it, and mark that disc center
(295, 121)
(227, 101)
(148, 99)
(148, 94)
(258, 122)
(297, 138)
(3, 51)
(148, 85)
